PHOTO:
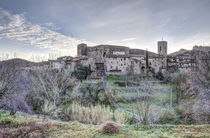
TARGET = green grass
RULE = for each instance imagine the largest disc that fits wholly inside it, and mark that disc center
(113, 78)
(59, 129)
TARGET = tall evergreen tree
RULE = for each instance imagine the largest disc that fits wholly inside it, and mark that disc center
(147, 61)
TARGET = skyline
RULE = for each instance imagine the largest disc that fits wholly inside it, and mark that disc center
(51, 26)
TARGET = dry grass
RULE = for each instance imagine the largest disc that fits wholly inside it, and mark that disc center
(25, 129)
(94, 114)
(11, 127)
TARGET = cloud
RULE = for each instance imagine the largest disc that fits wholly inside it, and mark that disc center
(126, 42)
(16, 27)
(52, 26)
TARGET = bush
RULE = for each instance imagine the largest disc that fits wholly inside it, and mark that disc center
(186, 112)
(110, 127)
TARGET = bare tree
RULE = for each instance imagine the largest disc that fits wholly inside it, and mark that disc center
(203, 69)
(200, 84)
(7, 85)
(177, 79)
(50, 86)
(143, 104)
(202, 112)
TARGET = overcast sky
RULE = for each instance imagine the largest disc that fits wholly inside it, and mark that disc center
(57, 26)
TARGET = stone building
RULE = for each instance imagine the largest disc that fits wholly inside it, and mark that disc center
(115, 59)
(111, 59)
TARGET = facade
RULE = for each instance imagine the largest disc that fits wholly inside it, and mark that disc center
(123, 60)
(117, 59)
(111, 59)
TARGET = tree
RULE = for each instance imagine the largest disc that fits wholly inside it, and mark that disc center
(143, 105)
(92, 93)
(7, 80)
(200, 80)
(81, 72)
(147, 61)
(49, 86)
(202, 75)
(8, 86)
(177, 79)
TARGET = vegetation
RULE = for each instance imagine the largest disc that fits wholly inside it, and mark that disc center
(97, 114)
(110, 127)
(81, 72)
(126, 106)
(49, 89)
(48, 128)
(177, 79)
(91, 93)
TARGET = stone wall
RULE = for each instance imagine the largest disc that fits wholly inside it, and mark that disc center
(119, 64)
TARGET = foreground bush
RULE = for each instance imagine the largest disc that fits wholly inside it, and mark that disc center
(92, 115)
(110, 127)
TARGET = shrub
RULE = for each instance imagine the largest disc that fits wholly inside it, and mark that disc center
(189, 117)
(187, 114)
(110, 127)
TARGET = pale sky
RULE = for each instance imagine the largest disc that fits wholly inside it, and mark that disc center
(40, 27)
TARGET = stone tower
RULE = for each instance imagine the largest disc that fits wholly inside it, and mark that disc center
(162, 48)
(82, 50)
(162, 52)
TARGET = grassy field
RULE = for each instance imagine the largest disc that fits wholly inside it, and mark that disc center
(31, 126)
(126, 96)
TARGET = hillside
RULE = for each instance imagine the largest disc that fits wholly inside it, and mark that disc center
(17, 62)
(181, 51)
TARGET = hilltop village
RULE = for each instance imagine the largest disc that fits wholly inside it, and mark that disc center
(120, 60)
